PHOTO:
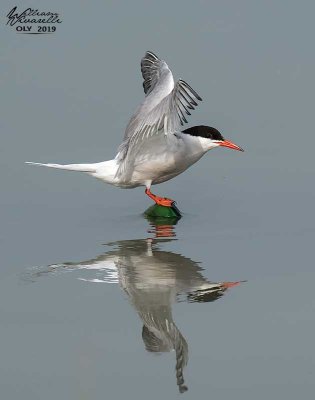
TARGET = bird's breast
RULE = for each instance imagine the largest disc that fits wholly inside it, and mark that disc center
(163, 157)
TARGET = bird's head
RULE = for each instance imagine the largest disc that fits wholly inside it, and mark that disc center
(210, 137)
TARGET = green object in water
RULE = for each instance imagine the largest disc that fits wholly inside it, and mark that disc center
(157, 211)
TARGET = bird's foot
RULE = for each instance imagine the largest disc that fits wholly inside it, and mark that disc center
(164, 201)
(161, 201)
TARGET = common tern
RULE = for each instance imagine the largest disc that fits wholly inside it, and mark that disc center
(154, 148)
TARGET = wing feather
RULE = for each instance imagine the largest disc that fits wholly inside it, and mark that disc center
(162, 112)
(150, 68)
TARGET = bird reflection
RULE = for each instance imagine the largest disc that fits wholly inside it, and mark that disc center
(153, 279)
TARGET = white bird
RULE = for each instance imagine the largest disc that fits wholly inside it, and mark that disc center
(154, 148)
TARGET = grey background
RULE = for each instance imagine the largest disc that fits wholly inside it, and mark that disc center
(67, 97)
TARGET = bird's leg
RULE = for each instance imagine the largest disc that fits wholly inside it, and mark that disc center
(161, 201)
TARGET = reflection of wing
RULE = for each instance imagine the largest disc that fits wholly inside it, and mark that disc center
(163, 110)
(158, 338)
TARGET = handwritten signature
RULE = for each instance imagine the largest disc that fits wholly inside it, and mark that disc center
(32, 16)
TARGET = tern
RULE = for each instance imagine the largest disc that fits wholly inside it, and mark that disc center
(154, 148)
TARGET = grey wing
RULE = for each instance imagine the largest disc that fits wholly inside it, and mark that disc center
(150, 69)
(162, 112)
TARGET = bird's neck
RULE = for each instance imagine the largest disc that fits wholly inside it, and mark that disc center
(195, 144)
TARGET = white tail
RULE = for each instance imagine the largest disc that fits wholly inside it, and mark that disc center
(69, 167)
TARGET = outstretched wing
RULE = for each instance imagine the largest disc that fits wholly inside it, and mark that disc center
(150, 69)
(163, 111)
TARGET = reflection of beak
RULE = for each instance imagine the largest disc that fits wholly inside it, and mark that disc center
(226, 143)
(228, 285)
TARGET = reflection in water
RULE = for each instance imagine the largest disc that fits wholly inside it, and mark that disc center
(153, 279)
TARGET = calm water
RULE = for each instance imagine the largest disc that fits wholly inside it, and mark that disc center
(156, 313)
(98, 302)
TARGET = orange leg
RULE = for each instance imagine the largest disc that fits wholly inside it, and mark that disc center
(161, 201)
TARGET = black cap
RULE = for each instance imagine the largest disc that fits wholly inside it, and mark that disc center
(204, 131)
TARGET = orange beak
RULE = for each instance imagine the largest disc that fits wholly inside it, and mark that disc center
(230, 145)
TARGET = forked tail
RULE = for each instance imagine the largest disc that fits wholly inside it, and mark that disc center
(69, 167)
